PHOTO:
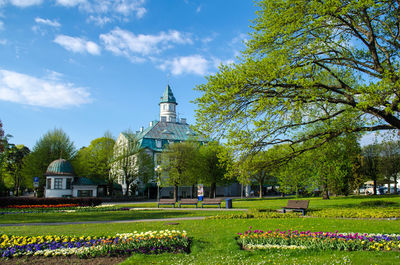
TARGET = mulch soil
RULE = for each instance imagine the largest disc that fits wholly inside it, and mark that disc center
(61, 260)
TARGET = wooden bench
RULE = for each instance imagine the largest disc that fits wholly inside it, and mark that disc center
(188, 202)
(166, 202)
(211, 202)
(297, 205)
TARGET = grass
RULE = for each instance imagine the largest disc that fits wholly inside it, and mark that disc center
(57, 217)
(214, 240)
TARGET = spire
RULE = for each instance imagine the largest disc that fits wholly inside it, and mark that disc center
(168, 96)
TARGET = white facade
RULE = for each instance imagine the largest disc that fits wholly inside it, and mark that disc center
(58, 186)
(168, 112)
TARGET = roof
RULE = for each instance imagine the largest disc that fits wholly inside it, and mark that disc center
(60, 167)
(168, 96)
(167, 131)
(82, 181)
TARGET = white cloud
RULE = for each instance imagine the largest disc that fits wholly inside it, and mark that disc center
(194, 64)
(48, 22)
(76, 44)
(114, 9)
(29, 90)
(70, 3)
(198, 9)
(26, 3)
(126, 43)
(3, 41)
(99, 20)
(1, 25)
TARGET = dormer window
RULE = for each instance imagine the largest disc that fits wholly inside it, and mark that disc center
(158, 143)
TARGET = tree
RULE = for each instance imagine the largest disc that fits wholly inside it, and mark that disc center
(3, 154)
(95, 160)
(51, 146)
(258, 168)
(389, 162)
(304, 55)
(13, 168)
(212, 168)
(177, 165)
(370, 162)
(130, 161)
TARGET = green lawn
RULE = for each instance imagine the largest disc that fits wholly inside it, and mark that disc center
(278, 202)
(56, 217)
(214, 240)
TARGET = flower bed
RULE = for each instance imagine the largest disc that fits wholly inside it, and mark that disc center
(259, 239)
(151, 242)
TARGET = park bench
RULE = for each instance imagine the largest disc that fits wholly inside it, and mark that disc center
(211, 202)
(297, 205)
(166, 202)
(188, 202)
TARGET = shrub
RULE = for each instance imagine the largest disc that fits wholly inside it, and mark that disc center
(378, 203)
(10, 201)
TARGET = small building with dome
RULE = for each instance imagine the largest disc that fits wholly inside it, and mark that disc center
(62, 182)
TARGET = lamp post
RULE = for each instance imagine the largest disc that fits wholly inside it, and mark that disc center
(158, 170)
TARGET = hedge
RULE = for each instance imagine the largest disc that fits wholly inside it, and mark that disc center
(8, 201)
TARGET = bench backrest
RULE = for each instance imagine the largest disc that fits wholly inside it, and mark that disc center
(298, 204)
(189, 200)
(205, 200)
(167, 200)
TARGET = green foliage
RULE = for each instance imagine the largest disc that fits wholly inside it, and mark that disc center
(51, 146)
(378, 203)
(131, 162)
(13, 177)
(212, 164)
(312, 71)
(95, 160)
(178, 163)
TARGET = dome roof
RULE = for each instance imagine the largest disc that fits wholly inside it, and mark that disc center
(60, 167)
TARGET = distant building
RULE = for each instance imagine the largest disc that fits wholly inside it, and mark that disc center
(62, 182)
(158, 135)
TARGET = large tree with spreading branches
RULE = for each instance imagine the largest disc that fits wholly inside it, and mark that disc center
(312, 71)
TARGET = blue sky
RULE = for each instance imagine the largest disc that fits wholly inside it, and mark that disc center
(90, 66)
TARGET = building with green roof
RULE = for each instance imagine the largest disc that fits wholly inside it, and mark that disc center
(159, 133)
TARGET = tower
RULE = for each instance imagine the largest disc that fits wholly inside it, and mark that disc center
(168, 106)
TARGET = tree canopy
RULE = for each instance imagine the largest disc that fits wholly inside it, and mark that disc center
(312, 70)
(51, 146)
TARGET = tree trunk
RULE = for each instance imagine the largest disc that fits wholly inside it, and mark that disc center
(358, 190)
(395, 185)
(282, 194)
(325, 191)
(374, 189)
(176, 193)
(261, 188)
(194, 191)
(213, 190)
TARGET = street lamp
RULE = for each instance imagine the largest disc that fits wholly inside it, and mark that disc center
(158, 170)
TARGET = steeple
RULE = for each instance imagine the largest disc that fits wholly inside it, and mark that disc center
(168, 106)
(168, 96)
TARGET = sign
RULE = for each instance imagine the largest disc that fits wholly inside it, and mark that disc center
(36, 182)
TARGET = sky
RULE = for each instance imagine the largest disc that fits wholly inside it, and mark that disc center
(91, 66)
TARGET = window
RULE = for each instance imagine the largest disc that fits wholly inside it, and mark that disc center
(58, 183)
(48, 186)
(69, 181)
(158, 143)
(163, 118)
(85, 193)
